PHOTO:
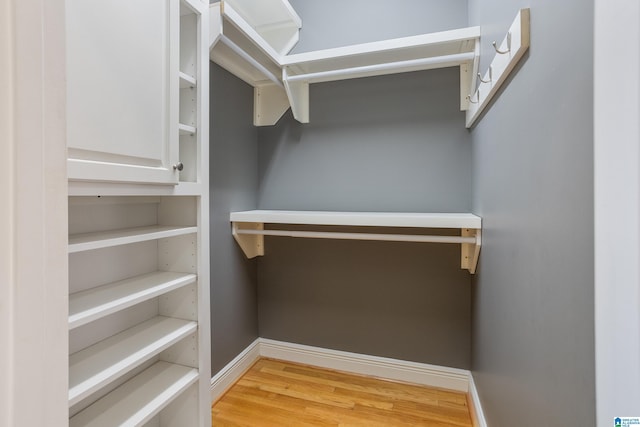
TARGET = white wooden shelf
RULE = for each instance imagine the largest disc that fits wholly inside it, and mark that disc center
(401, 55)
(138, 400)
(186, 129)
(94, 367)
(187, 81)
(239, 45)
(372, 219)
(105, 239)
(248, 228)
(95, 303)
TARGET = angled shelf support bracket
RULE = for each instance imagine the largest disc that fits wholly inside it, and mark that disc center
(248, 237)
(470, 252)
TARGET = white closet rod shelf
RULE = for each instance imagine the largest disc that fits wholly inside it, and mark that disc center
(248, 229)
(385, 68)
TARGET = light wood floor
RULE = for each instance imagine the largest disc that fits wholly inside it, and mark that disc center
(275, 393)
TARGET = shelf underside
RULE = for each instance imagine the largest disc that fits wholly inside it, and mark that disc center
(248, 229)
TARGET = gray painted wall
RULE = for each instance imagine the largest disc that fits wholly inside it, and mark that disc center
(533, 303)
(390, 143)
(234, 185)
(333, 23)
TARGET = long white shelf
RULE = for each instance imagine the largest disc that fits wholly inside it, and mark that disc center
(371, 219)
(105, 239)
(139, 399)
(98, 365)
(92, 304)
(248, 228)
(400, 55)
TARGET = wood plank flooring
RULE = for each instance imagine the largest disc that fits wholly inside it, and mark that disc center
(275, 393)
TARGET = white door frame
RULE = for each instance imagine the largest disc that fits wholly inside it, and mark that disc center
(617, 208)
(33, 215)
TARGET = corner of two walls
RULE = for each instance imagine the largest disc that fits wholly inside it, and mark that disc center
(233, 187)
(388, 143)
(533, 296)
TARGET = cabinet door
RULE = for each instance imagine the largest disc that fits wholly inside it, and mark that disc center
(122, 89)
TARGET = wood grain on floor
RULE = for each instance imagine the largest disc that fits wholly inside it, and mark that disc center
(274, 393)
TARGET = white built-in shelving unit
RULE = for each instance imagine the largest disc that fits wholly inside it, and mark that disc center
(248, 229)
(139, 321)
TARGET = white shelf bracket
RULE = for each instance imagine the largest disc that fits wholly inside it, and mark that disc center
(298, 94)
(507, 55)
(470, 252)
(270, 102)
(251, 244)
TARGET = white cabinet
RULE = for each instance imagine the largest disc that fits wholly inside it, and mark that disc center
(133, 69)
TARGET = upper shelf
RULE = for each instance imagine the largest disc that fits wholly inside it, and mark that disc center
(442, 49)
(240, 44)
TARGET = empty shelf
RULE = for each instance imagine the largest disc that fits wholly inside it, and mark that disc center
(92, 304)
(332, 62)
(94, 367)
(273, 20)
(139, 399)
(367, 219)
(105, 239)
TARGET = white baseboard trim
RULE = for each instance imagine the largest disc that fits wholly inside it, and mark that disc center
(380, 367)
(228, 375)
(475, 407)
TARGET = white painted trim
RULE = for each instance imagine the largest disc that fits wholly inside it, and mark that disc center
(475, 406)
(380, 367)
(374, 366)
(33, 190)
(617, 209)
(228, 375)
